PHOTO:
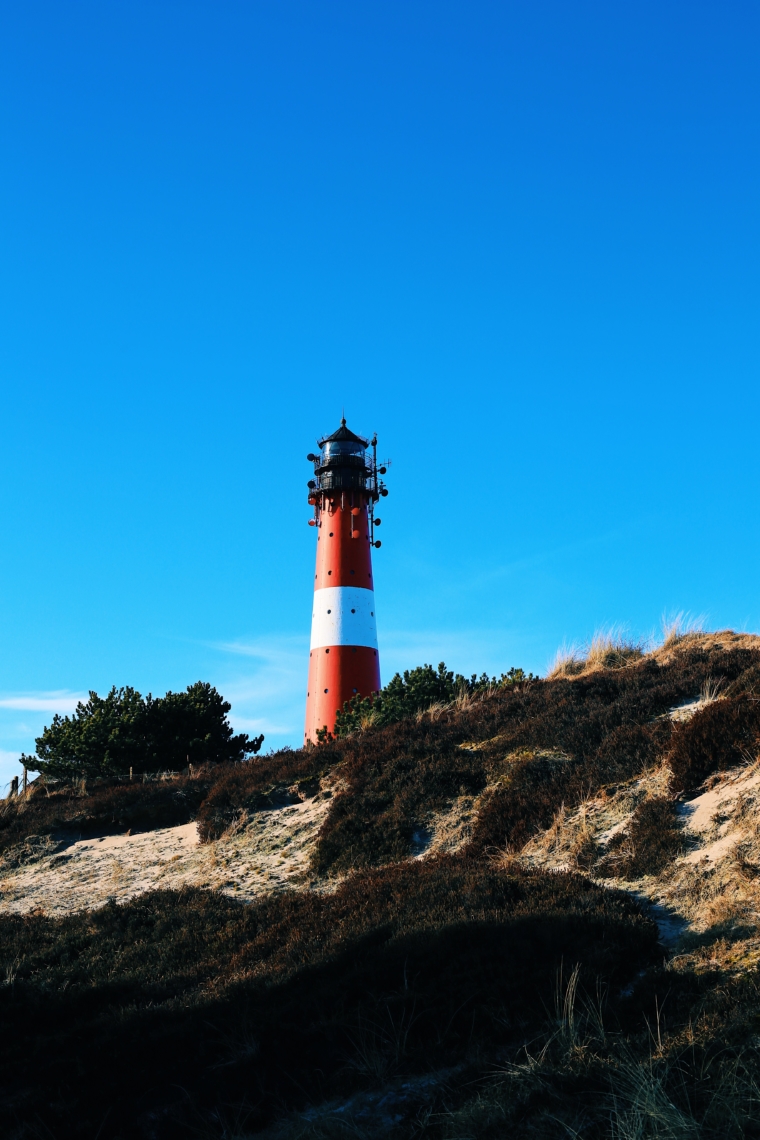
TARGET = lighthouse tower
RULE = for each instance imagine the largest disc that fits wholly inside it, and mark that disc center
(343, 660)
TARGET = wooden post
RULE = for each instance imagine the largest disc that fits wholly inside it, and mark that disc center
(14, 786)
(25, 781)
(130, 771)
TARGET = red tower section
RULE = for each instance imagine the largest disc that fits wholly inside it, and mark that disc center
(343, 655)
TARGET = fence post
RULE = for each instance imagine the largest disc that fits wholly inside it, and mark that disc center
(14, 786)
(130, 771)
(25, 781)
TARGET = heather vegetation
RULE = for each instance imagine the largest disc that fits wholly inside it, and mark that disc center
(192, 1012)
(650, 842)
(717, 737)
(448, 996)
(534, 745)
(69, 811)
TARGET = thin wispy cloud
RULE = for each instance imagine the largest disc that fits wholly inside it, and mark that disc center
(261, 724)
(58, 701)
(466, 651)
(265, 683)
(275, 651)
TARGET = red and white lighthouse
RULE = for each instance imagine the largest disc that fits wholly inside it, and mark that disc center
(343, 659)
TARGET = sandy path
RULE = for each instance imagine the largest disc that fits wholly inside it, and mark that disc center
(269, 851)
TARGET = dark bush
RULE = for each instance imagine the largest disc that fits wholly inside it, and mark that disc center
(719, 736)
(537, 786)
(747, 683)
(145, 1019)
(213, 795)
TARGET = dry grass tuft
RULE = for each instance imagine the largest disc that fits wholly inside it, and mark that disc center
(434, 711)
(677, 627)
(367, 719)
(710, 690)
(609, 648)
(567, 662)
(612, 649)
(464, 700)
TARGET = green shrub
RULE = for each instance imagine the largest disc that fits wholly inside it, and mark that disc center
(416, 690)
(109, 735)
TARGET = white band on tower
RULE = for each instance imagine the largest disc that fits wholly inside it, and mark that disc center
(343, 615)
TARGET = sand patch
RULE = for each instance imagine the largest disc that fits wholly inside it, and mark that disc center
(262, 853)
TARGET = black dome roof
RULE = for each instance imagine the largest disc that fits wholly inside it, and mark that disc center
(343, 435)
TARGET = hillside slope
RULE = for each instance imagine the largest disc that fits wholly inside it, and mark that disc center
(532, 912)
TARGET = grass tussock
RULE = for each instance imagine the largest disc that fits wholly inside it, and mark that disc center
(568, 662)
(677, 627)
(609, 648)
(612, 649)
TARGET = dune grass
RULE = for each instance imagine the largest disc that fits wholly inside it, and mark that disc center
(609, 648)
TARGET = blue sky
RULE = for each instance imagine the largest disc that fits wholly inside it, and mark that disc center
(519, 241)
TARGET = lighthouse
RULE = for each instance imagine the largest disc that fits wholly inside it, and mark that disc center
(343, 657)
